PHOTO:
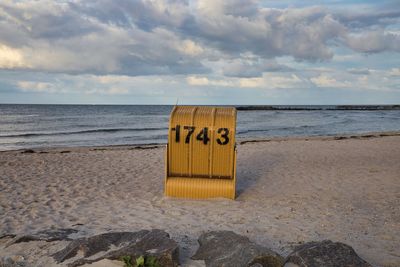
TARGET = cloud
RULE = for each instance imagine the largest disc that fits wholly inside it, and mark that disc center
(197, 81)
(375, 80)
(274, 87)
(117, 91)
(190, 48)
(366, 18)
(328, 81)
(204, 81)
(359, 71)
(251, 67)
(301, 33)
(108, 91)
(346, 58)
(267, 81)
(170, 37)
(11, 58)
(60, 37)
(374, 41)
(251, 82)
(29, 86)
(394, 72)
(283, 81)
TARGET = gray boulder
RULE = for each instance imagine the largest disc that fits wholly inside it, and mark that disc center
(325, 254)
(226, 248)
(114, 246)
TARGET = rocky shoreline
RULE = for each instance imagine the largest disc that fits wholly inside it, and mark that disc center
(155, 248)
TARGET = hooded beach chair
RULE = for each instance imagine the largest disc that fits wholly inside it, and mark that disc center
(201, 152)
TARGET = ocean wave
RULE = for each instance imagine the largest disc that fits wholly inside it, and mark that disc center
(109, 130)
(286, 128)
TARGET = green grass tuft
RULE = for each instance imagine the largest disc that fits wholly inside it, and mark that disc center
(142, 261)
(127, 261)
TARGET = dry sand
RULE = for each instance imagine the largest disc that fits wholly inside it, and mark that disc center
(289, 192)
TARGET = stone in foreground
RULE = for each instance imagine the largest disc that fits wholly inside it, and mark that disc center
(325, 254)
(114, 246)
(226, 248)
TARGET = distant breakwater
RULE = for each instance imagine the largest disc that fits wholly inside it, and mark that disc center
(339, 107)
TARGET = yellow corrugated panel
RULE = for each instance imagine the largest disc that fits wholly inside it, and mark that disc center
(200, 188)
(200, 159)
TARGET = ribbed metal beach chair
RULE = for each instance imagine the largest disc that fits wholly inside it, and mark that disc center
(201, 152)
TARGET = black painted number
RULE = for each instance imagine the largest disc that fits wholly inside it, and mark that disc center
(203, 136)
(223, 139)
(224, 136)
(190, 132)
(177, 130)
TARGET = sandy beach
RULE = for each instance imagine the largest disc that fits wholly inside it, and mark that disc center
(289, 191)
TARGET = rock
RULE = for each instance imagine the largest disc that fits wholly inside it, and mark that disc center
(13, 261)
(7, 236)
(114, 246)
(45, 235)
(226, 248)
(325, 254)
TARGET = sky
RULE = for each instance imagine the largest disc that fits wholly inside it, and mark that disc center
(205, 52)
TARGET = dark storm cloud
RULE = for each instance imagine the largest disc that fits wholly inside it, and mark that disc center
(179, 37)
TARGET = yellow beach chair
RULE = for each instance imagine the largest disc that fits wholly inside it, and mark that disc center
(201, 152)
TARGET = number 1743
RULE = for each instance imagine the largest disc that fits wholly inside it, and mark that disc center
(222, 138)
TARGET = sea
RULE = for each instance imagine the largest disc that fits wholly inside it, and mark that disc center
(42, 126)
